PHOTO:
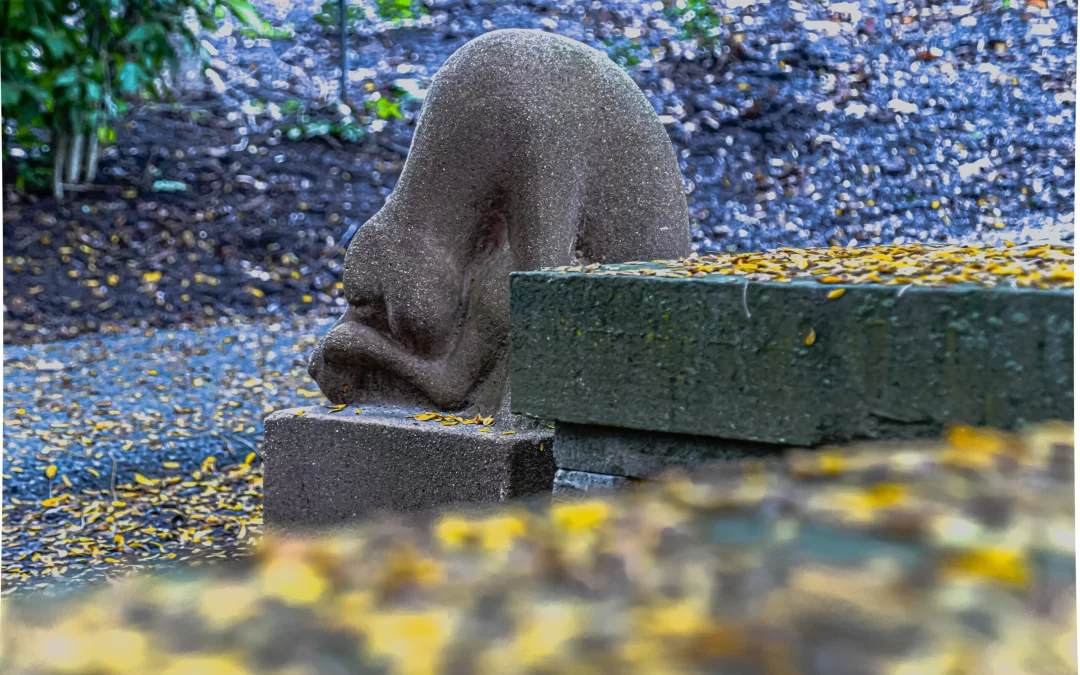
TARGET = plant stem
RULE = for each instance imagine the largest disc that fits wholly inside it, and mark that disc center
(60, 143)
(92, 158)
(344, 95)
(75, 160)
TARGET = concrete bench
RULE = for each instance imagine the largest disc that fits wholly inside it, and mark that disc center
(645, 372)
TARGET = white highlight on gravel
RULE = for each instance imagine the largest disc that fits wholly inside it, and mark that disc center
(857, 109)
(972, 168)
(830, 28)
(903, 107)
(849, 8)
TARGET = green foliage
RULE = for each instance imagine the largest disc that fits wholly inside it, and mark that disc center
(395, 11)
(385, 108)
(623, 51)
(698, 20)
(338, 120)
(335, 121)
(328, 15)
(399, 10)
(70, 68)
(267, 32)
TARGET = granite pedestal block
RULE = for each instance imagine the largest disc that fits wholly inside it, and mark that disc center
(325, 468)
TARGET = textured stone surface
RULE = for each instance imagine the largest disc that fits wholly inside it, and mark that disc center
(531, 151)
(570, 483)
(681, 356)
(641, 454)
(326, 468)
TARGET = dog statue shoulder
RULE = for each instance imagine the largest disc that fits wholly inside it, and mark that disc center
(532, 151)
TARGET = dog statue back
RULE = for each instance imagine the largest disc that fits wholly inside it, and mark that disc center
(532, 151)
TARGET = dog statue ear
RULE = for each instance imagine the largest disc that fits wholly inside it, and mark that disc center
(540, 134)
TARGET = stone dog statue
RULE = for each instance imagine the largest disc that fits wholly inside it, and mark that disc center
(531, 151)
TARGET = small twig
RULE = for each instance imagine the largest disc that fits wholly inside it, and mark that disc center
(217, 434)
(331, 141)
(745, 289)
(148, 171)
(112, 481)
(902, 290)
(90, 187)
(248, 444)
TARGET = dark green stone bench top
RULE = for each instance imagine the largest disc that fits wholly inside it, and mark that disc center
(802, 349)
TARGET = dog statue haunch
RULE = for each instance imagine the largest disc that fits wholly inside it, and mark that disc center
(532, 151)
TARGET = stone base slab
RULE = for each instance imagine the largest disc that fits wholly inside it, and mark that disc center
(631, 453)
(570, 483)
(324, 468)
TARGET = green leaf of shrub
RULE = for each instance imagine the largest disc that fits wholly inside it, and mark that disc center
(67, 77)
(243, 10)
(130, 77)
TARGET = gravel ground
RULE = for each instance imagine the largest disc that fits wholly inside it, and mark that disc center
(811, 124)
(180, 412)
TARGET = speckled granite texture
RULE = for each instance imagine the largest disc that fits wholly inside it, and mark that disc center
(329, 468)
(531, 151)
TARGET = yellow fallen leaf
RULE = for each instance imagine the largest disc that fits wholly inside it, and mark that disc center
(171, 465)
(837, 293)
(143, 480)
(50, 472)
(250, 458)
(974, 440)
(359, 411)
(337, 408)
(299, 412)
(510, 432)
(1010, 568)
(485, 430)
(580, 516)
(152, 277)
(810, 338)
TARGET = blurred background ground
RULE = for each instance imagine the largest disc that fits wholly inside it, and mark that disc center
(811, 123)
